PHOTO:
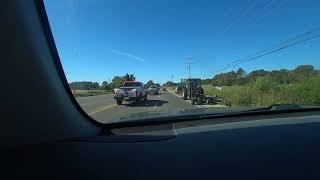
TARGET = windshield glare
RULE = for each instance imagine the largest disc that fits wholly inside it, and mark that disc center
(187, 57)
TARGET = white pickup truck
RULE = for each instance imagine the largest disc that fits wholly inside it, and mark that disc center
(130, 91)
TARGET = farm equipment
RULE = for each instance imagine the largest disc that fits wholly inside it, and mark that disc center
(210, 100)
(191, 92)
(190, 88)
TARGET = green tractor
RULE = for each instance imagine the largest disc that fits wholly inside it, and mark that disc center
(189, 88)
(190, 91)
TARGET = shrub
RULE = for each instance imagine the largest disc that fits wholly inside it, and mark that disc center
(264, 92)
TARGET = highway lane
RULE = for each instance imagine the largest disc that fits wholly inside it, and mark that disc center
(104, 109)
(91, 104)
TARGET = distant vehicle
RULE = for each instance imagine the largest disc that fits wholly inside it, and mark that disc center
(153, 90)
(178, 90)
(130, 91)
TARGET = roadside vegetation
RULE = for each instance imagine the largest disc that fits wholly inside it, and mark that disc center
(89, 88)
(263, 88)
(82, 93)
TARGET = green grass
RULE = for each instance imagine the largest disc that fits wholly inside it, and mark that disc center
(83, 93)
(264, 93)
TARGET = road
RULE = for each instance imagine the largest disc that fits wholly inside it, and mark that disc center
(104, 109)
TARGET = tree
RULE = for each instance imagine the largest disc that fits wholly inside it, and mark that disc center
(105, 85)
(206, 81)
(225, 79)
(170, 84)
(118, 81)
(132, 78)
(127, 77)
(241, 77)
(264, 84)
(303, 72)
(149, 83)
(282, 76)
(84, 85)
(256, 74)
(240, 73)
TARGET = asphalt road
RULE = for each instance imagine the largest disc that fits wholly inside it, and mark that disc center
(104, 109)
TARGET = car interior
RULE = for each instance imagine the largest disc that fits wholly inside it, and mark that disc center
(46, 134)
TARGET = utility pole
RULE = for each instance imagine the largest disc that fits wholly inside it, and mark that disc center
(172, 78)
(188, 62)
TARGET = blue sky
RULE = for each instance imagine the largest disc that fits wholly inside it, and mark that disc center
(99, 39)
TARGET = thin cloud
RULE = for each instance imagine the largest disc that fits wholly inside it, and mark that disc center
(128, 55)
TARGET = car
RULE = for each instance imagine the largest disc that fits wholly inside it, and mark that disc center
(130, 91)
(178, 90)
(153, 90)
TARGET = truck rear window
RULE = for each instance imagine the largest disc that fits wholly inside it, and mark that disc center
(131, 84)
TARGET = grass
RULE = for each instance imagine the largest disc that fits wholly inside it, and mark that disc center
(83, 93)
(237, 95)
(260, 93)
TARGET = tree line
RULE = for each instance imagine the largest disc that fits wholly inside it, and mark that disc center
(262, 88)
(282, 76)
(116, 82)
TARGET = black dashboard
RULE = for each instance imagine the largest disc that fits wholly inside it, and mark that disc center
(260, 149)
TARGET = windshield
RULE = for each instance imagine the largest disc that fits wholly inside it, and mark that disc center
(207, 56)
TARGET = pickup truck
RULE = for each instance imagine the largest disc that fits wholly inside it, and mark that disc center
(130, 91)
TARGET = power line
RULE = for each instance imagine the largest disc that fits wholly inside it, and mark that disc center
(281, 48)
(189, 66)
(244, 13)
(313, 31)
(258, 19)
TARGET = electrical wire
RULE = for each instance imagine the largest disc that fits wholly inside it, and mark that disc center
(267, 53)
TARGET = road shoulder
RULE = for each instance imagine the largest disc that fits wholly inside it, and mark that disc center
(199, 106)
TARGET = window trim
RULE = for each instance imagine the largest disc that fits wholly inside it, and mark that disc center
(56, 60)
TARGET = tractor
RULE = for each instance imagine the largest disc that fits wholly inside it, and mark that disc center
(190, 92)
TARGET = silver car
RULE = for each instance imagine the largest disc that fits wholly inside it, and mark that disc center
(153, 90)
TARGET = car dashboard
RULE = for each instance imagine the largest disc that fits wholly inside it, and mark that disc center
(264, 148)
